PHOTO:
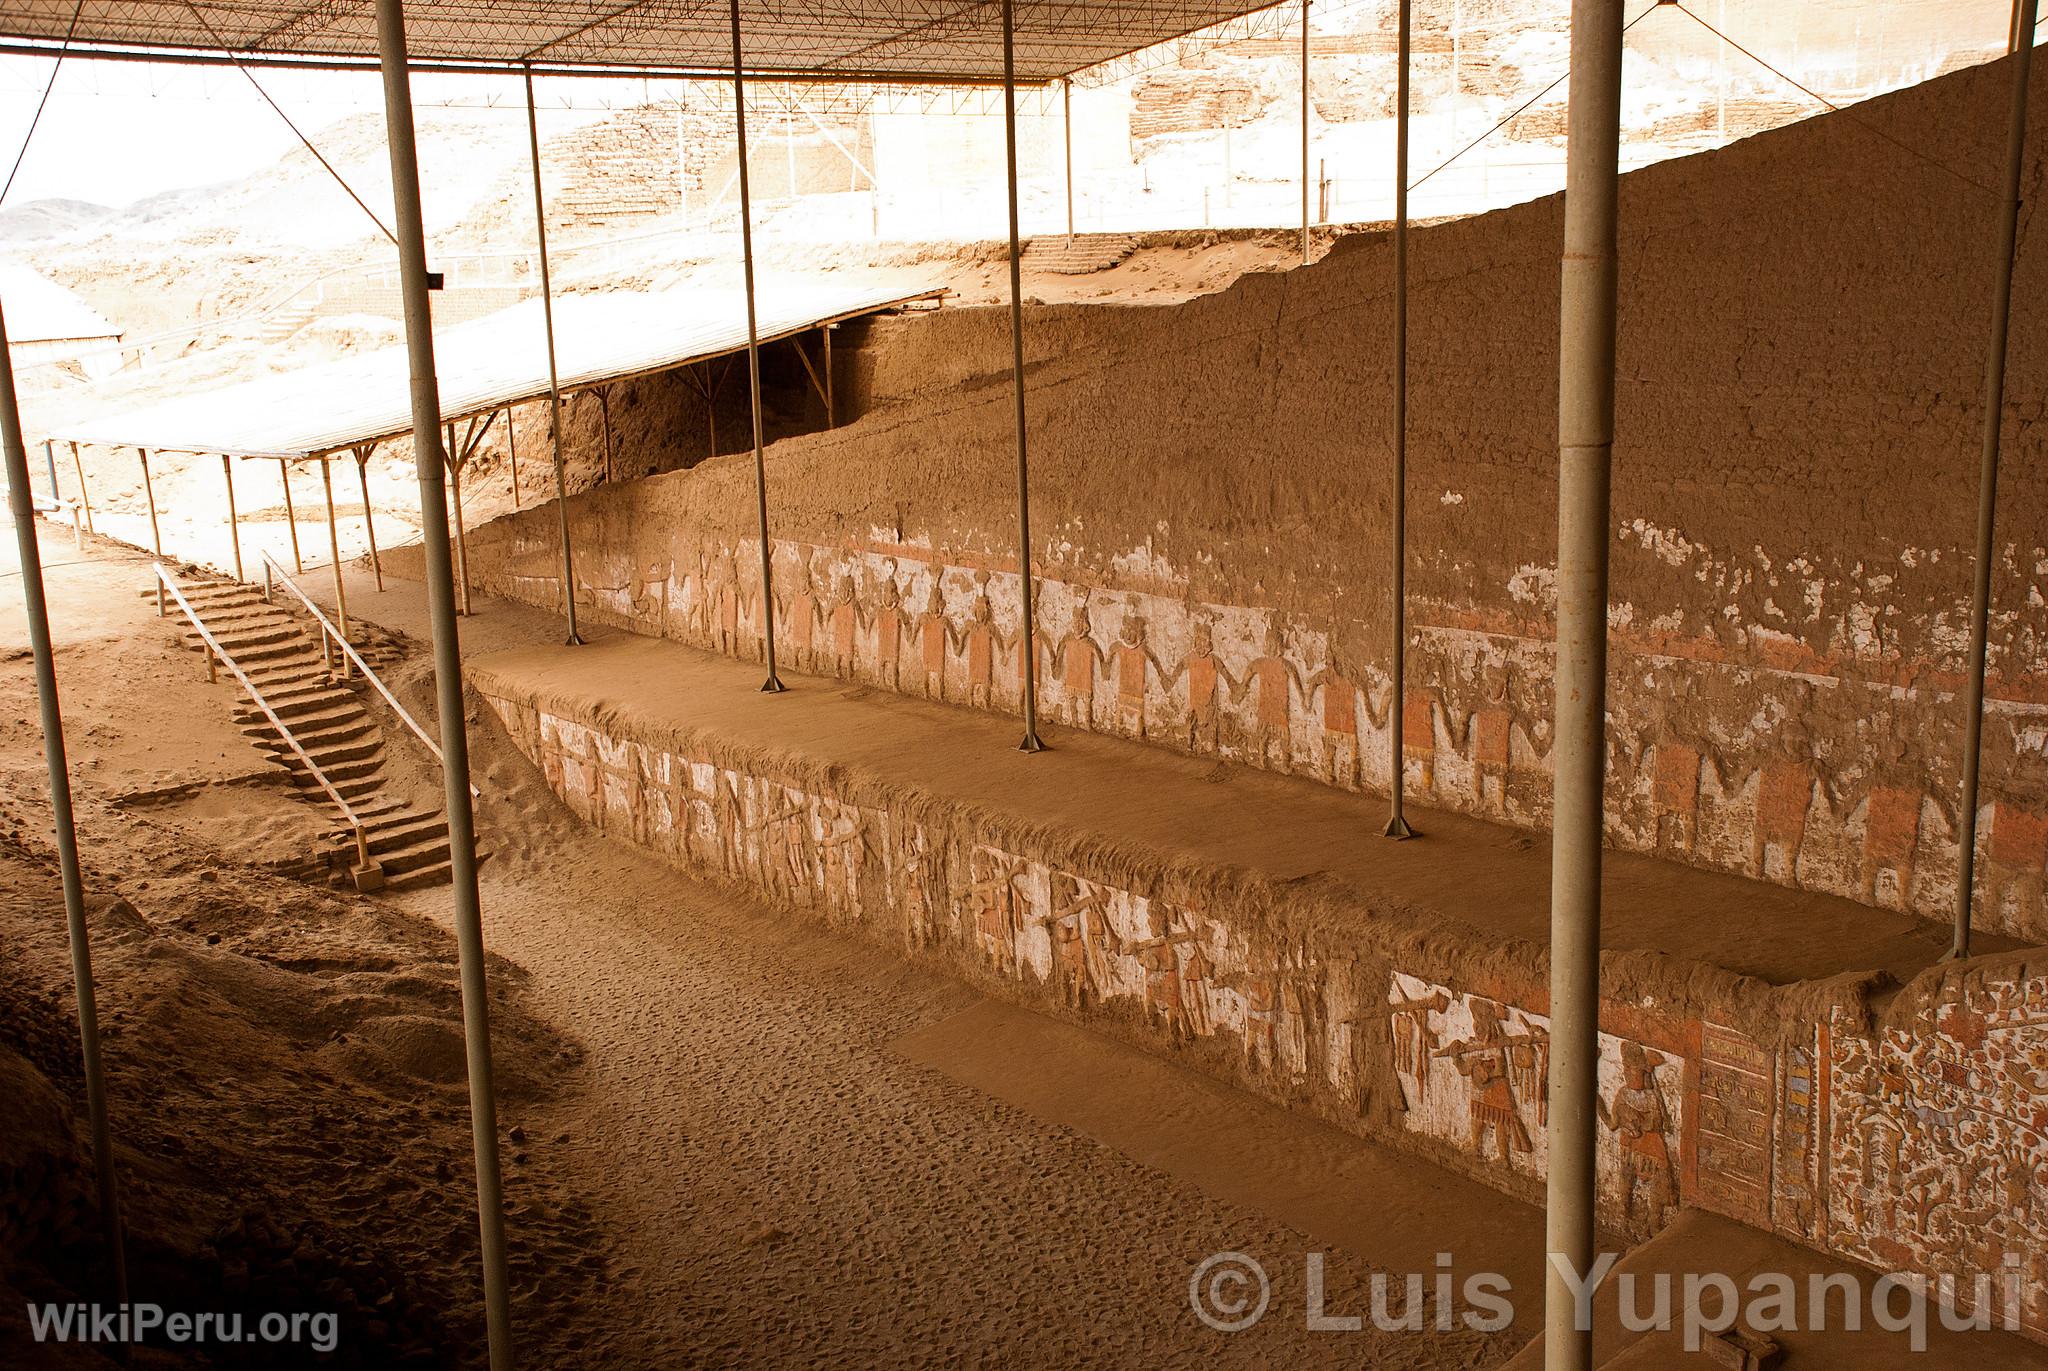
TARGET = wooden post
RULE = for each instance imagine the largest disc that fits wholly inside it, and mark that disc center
(227, 467)
(461, 542)
(512, 452)
(291, 518)
(84, 495)
(156, 538)
(334, 552)
(369, 520)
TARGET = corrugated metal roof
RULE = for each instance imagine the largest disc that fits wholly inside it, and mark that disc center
(855, 39)
(497, 360)
(39, 310)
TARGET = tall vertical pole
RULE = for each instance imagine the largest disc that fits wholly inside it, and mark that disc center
(739, 113)
(50, 458)
(1397, 824)
(1027, 640)
(334, 556)
(1585, 424)
(227, 468)
(831, 405)
(1304, 132)
(604, 414)
(291, 517)
(1067, 130)
(22, 505)
(369, 517)
(1987, 476)
(426, 430)
(156, 537)
(547, 314)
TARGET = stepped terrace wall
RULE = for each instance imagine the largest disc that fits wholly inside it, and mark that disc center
(1802, 330)
(1909, 1132)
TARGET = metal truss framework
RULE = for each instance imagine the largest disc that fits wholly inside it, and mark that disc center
(889, 42)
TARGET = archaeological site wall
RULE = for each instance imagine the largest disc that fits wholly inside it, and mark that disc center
(1907, 1131)
(1803, 317)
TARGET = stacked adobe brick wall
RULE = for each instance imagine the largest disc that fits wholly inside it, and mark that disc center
(1802, 328)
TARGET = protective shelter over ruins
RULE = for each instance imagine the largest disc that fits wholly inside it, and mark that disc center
(915, 41)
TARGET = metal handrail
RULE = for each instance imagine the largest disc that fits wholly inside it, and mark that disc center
(213, 644)
(327, 630)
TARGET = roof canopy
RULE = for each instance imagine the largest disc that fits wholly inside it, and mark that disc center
(888, 40)
(498, 360)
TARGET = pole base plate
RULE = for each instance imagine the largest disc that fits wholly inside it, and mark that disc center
(1397, 828)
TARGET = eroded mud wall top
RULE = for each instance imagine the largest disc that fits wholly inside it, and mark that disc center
(1803, 319)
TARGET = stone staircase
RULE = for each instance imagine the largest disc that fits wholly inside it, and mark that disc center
(281, 655)
(1087, 252)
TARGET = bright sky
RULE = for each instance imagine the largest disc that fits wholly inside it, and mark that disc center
(115, 132)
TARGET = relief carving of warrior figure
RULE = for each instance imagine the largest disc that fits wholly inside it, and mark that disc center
(1638, 1119)
(1487, 1062)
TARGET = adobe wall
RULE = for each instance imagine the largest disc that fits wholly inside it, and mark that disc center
(1802, 331)
(1912, 1136)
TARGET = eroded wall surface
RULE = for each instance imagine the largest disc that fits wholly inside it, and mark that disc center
(1802, 332)
(1915, 1140)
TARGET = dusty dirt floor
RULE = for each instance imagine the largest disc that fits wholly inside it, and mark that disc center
(731, 1139)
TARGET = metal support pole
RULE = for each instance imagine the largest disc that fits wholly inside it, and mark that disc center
(291, 518)
(1027, 642)
(547, 314)
(739, 112)
(1397, 824)
(50, 458)
(604, 414)
(84, 495)
(1304, 132)
(369, 519)
(21, 504)
(1987, 477)
(1585, 455)
(831, 405)
(512, 452)
(426, 428)
(334, 557)
(227, 467)
(1067, 129)
(156, 537)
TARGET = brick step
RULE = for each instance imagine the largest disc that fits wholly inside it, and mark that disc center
(1089, 252)
(318, 741)
(367, 769)
(331, 756)
(404, 827)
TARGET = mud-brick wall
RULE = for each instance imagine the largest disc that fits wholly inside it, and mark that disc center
(1802, 333)
(1915, 1140)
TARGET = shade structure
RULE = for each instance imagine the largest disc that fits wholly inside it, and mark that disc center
(483, 365)
(933, 40)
